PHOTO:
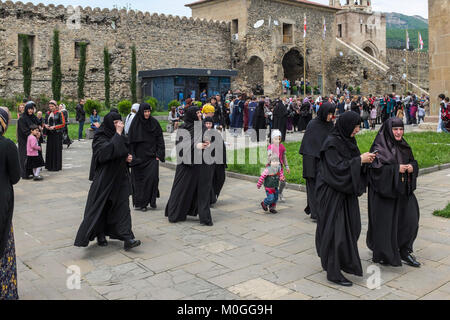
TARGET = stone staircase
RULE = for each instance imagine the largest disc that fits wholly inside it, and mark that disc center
(376, 62)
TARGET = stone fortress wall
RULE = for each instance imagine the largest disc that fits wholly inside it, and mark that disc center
(161, 42)
(200, 42)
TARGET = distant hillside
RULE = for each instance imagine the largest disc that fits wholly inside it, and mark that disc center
(397, 23)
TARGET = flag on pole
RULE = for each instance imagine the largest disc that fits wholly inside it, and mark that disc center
(304, 28)
(407, 40)
(421, 41)
(324, 29)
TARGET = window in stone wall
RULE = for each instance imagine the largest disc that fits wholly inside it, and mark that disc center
(287, 33)
(361, 27)
(235, 27)
(77, 49)
(30, 45)
(367, 28)
(339, 30)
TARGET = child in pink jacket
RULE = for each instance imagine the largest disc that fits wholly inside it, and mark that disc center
(34, 155)
(271, 177)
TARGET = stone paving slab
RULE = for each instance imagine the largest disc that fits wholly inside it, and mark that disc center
(246, 254)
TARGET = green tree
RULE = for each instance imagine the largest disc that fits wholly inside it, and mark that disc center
(82, 69)
(133, 75)
(26, 65)
(56, 68)
(107, 78)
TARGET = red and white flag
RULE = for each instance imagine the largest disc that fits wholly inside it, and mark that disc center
(324, 29)
(304, 28)
(407, 40)
(420, 41)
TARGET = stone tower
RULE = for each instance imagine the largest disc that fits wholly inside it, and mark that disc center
(358, 25)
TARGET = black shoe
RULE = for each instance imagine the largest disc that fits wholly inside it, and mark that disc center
(38, 178)
(379, 261)
(153, 206)
(307, 211)
(129, 244)
(208, 224)
(344, 282)
(143, 209)
(101, 241)
(31, 176)
(410, 260)
(273, 211)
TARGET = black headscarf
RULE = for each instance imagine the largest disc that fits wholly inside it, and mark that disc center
(317, 131)
(108, 128)
(4, 120)
(345, 125)
(390, 150)
(280, 110)
(140, 127)
(30, 119)
(190, 116)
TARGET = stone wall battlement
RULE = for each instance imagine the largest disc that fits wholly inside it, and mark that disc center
(100, 16)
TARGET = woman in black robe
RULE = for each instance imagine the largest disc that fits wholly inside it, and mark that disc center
(9, 176)
(280, 116)
(147, 148)
(23, 131)
(191, 189)
(107, 210)
(393, 208)
(305, 115)
(316, 133)
(54, 125)
(340, 181)
(259, 121)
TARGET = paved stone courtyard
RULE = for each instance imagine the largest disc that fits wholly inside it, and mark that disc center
(245, 255)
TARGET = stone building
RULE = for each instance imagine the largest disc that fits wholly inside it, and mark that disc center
(439, 11)
(255, 43)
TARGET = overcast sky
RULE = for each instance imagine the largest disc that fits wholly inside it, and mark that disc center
(176, 7)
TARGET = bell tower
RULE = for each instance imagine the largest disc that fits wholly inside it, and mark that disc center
(360, 5)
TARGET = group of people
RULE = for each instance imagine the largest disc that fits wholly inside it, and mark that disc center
(126, 156)
(31, 129)
(337, 174)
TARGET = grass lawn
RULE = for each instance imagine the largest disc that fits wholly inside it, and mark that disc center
(444, 212)
(73, 130)
(429, 149)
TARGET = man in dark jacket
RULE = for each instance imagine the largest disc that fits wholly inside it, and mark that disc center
(81, 118)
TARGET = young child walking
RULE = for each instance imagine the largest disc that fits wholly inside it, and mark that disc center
(271, 177)
(34, 153)
(278, 149)
(373, 117)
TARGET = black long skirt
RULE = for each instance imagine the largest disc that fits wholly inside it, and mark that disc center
(24, 172)
(53, 155)
(145, 180)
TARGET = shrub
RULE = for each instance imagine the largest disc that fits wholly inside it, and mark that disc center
(82, 70)
(154, 103)
(174, 103)
(316, 90)
(26, 65)
(198, 103)
(106, 65)
(133, 74)
(358, 90)
(56, 68)
(350, 88)
(124, 107)
(294, 90)
(91, 105)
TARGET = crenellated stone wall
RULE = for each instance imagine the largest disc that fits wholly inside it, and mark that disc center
(161, 42)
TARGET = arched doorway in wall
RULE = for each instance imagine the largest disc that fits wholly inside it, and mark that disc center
(255, 75)
(293, 65)
(369, 51)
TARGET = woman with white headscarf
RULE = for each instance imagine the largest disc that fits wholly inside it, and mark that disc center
(130, 117)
